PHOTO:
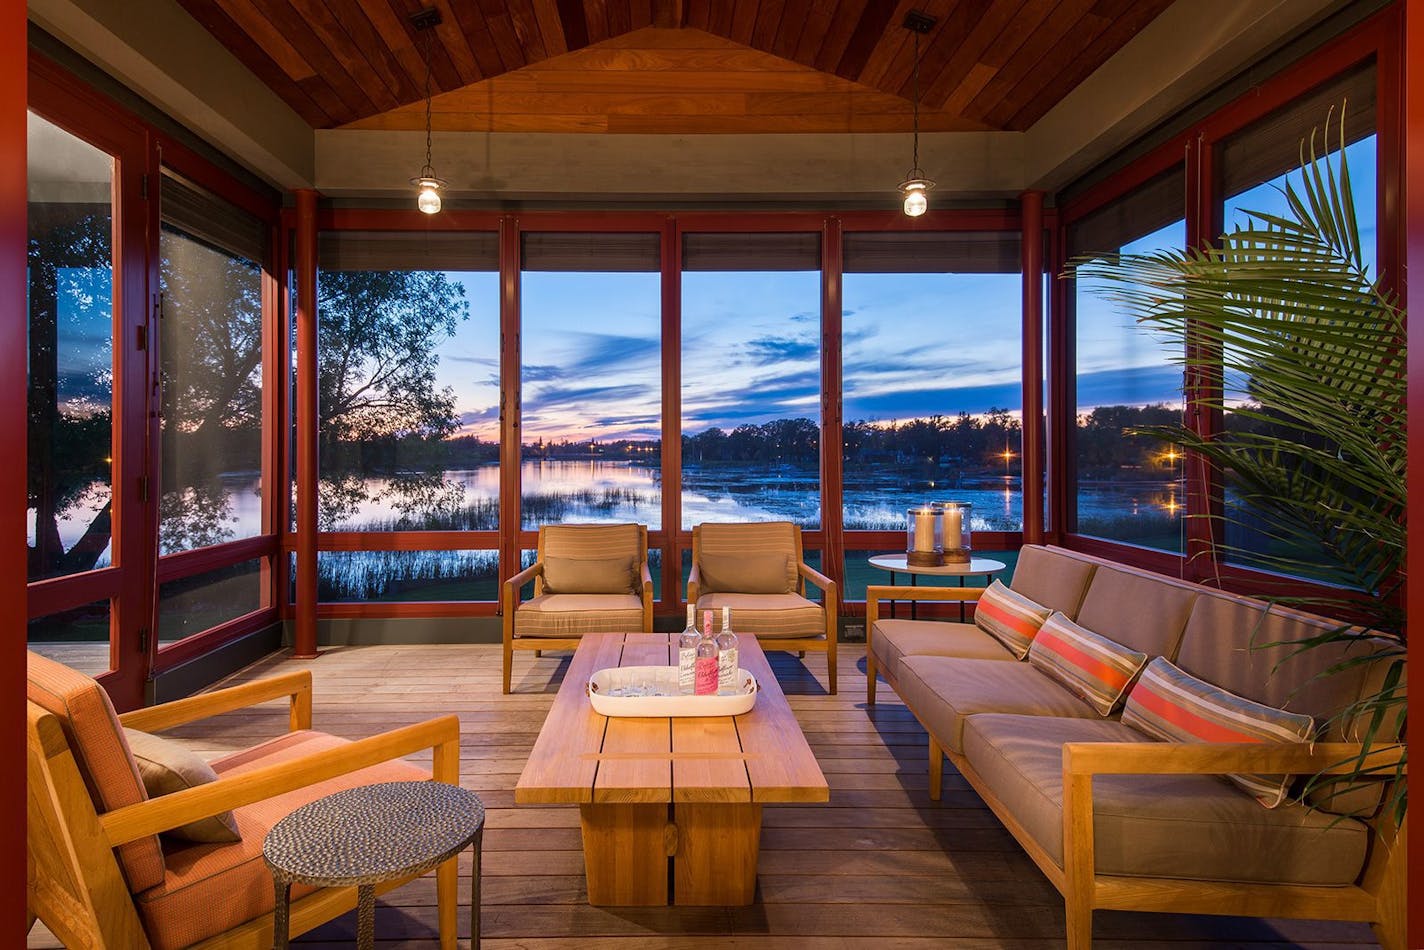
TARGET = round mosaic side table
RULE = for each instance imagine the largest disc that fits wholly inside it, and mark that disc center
(364, 836)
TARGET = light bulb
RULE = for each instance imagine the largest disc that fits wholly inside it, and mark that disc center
(915, 191)
(916, 204)
(429, 200)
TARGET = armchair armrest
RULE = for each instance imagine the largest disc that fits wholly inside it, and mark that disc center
(827, 586)
(179, 808)
(512, 586)
(297, 686)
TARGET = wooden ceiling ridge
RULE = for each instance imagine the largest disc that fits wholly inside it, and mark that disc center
(675, 66)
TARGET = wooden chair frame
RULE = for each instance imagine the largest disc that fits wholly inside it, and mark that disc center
(1378, 897)
(509, 604)
(74, 883)
(824, 643)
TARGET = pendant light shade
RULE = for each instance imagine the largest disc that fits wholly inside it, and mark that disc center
(914, 190)
(428, 183)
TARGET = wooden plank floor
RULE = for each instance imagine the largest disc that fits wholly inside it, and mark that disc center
(879, 866)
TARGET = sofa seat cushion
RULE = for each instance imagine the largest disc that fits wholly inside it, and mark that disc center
(893, 640)
(769, 616)
(943, 692)
(210, 888)
(1177, 826)
(573, 615)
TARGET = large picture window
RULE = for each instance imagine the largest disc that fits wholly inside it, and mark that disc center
(591, 401)
(210, 275)
(1128, 487)
(933, 390)
(751, 378)
(71, 353)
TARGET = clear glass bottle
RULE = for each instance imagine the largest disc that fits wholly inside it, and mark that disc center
(726, 656)
(705, 675)
(687, 653)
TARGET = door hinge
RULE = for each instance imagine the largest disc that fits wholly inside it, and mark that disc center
(143, 488)
(143, 639)
(141, 337)
(143, 186)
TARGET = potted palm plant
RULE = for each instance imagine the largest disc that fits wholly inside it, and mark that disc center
(1303, 350)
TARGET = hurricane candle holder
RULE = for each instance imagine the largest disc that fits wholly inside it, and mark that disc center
(955, 531)
(924, 543)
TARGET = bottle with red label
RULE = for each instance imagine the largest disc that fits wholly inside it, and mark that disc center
(705, 674)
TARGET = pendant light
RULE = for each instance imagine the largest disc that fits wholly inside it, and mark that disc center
(914, 189)
(429, 184)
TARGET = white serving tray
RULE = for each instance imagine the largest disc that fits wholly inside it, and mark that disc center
(668, 702)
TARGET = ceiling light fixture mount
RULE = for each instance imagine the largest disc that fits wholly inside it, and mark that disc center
(915, 187)
(427, 181)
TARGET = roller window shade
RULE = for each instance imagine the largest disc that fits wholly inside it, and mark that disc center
(1150, 208)
(1270, 147)
(591, 253)
(197, 212)
(751, 252)
(914, 252)
(408, 251)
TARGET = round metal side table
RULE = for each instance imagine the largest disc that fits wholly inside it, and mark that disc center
(367, 835)
(898, 563)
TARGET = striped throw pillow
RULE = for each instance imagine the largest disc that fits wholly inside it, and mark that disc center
(1174, 705)
(1009, 617)
(1086, 664)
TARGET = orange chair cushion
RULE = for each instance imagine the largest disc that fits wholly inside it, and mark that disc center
(210, 888)
(91, 727)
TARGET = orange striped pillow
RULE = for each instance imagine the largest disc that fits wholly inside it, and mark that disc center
(1086, 664)
(1171, 704)
(1009, 617)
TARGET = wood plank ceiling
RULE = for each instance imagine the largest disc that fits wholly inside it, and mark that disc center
(674, 66)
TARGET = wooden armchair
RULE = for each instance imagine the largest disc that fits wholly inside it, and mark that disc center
(757, 570)
(588, 578)
(98, 875)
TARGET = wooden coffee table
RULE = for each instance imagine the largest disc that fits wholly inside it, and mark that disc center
(683, 790)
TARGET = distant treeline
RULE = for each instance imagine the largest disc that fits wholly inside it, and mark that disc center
(971, 443)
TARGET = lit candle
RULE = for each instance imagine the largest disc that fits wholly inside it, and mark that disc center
(953, 528)
(924, 530)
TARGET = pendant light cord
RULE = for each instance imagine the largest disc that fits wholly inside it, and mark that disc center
(428, 31)
(914, 172)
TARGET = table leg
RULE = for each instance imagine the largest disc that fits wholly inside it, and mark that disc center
(475, 893)
(625, 852)
(961, 603)
(716, 860)
(366, 917)
(281, 915)
(892, 602)
(914, 604)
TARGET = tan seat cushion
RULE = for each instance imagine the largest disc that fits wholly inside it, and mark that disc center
(1178, 826)
(573, 615)
(91, 727)
(893, 640)
(210, 888)
(769, 616)
(944, 691)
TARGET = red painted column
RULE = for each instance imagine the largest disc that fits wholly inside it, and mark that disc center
(509, 395)
(306, 422)
(832, 403)
(1031, 208)
(671, 258)
(1413, 292)
(13, 349)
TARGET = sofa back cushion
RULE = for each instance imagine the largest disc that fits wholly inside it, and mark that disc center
(1142, 611)
(1053, 577)
(92, 730)
(1228, 642)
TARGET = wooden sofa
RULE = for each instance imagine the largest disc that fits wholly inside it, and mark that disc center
(100, 875)
(1118, 820)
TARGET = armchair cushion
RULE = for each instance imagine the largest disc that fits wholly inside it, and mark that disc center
(572, 615)
(769, 616)
(167, 767)
(211, 888)
(750, 538)
(92, 730)
(588, 575)
(1176, 826)
(744, 573)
